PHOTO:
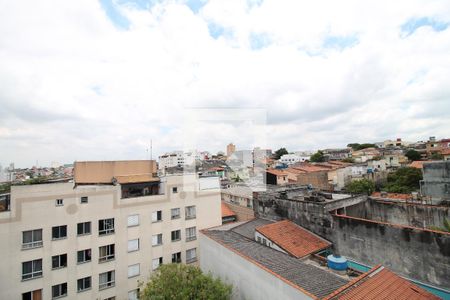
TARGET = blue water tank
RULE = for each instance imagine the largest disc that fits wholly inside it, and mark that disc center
(338, 263)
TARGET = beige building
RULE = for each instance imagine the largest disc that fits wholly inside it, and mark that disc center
(94, 240)
(231, 148)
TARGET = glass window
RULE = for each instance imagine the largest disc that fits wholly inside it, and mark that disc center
(175, 213)
(59, 290)
(191, 255)
(156, 262)
(59, 261)
(106, 280)
(191, 234)
(84, 256)
(84, 284)
(59, 232)
(84, 200)
(84, 228)
(176, 235)
(176, 257)
(190, 212)
(133, 220)
(59, 202)
(133, 295)
(106, 226)
(157, 239)
(156, 216)
(31, 239)
(174, 190)
(34, 295)
(133, 245)
(133, 270)
(31, 269)
(106, 253)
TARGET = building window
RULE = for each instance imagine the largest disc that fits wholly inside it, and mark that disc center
(84, 228)
(176, 235)
(32, 239)
(84, 284)
(106, 253)
(157, 239)
(156, 216)
(156, 262)
(110, 298)
(59, 261)
(133, 220)
(175, 213)
(31, 269)
(59, 290)
(176, 258)
(190, 212)
(84, 256)
(106, 226)
(133, 245)
(191, 234)
(84, 200)
(106, 280)
(59, 232)
(191, 255)
(59, 202)
(174, 190)
(34, 295)
(133, 295)
(133, 270)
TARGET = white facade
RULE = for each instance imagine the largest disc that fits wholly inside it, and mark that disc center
(125, 240)
(290, 159)
(178, 158)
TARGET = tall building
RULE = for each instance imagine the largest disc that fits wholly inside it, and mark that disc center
(231, 148)
(94, 238)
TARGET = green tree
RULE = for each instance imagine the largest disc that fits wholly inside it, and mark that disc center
(413, 155)
(348, 160)
(357, 146)
(404, 180)
(437, 156)
(180, 282)
(363, 186)
(280, 152)
(317, 157)
(5, 188)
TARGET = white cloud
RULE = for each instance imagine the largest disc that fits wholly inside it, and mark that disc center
(75, 86)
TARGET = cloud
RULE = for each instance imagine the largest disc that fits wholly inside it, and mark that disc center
(98, 80)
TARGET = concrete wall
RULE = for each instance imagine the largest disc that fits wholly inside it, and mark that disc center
(242, 213)
(414, 253)
(249, 281)
(436, 180)
(317, 179)
(416, 215)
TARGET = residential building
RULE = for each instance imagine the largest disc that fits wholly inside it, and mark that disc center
(290, 159)
(239, 199)
(243, 158)
(178, 159)
(436, 146)
(228, 215)
(231, 148)
(276, 177)
(446, 154)
(397, 143)
(94, 238)
(337, 154)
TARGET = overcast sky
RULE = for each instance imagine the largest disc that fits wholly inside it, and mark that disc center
(90, 80)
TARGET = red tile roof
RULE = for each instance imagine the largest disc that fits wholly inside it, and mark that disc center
(276, 172)
(226, 211)
(292, 238)
(418, 164)
(445, 151)
(310, 168)
(393, 196)
(381, 283)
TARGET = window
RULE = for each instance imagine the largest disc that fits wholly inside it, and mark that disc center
(110, 298)
(175, 213)
(133, 295)
(174, 190)
(84, 200)
(59, 202)
(191, 234)
(59, 232)
(176, 257)
(190, 212)
(84, 228)
(133, 270)
(84, 256)
(191, 255)
(59, 261)
(106, 253)
(133, 245)
(133, 220)
(156, 216)
(105, 226)
(157, 239)
(59, 290)
(156, 262)
(84, 284)
(31, 269)
(34, 295)
(176, 235)
(106, 280)
(32, 239)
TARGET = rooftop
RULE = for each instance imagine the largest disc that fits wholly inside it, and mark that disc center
(226, 211)
(380, 283)
(292, 238)
(276, 172)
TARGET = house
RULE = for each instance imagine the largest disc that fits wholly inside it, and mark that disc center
(289, 159)
(228, 215)
(446, 154)
(276, 177)
(337, 154)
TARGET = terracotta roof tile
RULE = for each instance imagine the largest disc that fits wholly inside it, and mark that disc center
(292, 238)
(445, 151)
(276, 172)
(418, 164)
(381, 283)
(226, 211)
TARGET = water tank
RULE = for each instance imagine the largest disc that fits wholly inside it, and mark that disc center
(337, 263)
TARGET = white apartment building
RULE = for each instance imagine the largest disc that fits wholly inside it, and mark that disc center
(178, 158)
(82, 240)
(290, 159)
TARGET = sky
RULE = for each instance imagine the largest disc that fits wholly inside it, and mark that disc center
(97, 80)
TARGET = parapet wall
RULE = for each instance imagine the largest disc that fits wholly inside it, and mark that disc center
(419, 254)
